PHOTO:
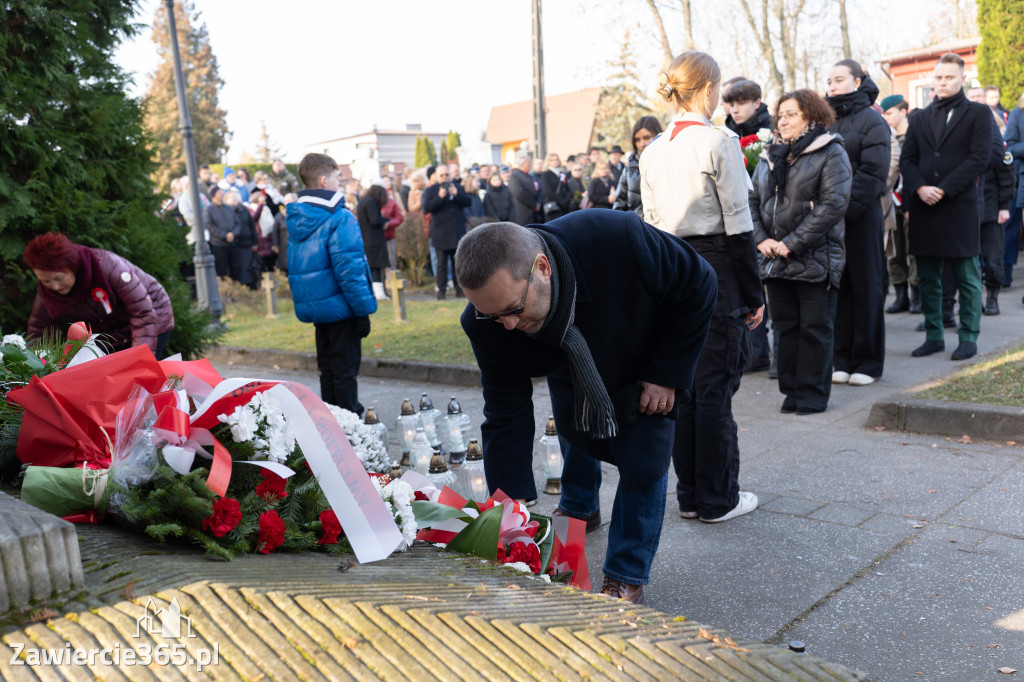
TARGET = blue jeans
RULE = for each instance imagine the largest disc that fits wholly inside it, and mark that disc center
(637, 515)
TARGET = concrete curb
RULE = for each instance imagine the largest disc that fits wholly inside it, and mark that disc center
(38, 554)
(985, 422)
(383, 368)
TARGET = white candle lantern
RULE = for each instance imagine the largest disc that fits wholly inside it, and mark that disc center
(421, 452)
(406, 425)
(471, 482)
(457, 432)
(429, 418)
(551, 451)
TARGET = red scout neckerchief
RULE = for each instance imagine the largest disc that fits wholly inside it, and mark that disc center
(680, 125)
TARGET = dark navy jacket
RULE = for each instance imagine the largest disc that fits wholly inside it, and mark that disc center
(644, 301)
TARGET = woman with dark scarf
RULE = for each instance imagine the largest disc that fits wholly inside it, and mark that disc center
(110, 294)
(801, 191)
(627, 196)
(860, 323)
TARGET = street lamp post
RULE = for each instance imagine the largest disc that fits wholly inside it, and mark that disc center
(539, 123)
(206, 274)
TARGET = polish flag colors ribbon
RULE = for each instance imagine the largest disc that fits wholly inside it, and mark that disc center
(101, 296)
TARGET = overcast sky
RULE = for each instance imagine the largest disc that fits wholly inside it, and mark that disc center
(318, 70)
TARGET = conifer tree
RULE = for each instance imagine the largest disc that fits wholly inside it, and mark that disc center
(74, 156)
(622, 102)
(420, 157)
(1001, 53)
(452, 144)
(202, 82)
(266, 151)
(431, 151)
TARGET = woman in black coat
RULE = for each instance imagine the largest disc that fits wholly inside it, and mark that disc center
(498, 201)
(555, 187)
(801, 191)
(601, 191)
(371, 225)
(627, 196)
(860, 323)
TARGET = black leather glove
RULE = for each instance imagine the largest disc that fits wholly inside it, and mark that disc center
(363, 326)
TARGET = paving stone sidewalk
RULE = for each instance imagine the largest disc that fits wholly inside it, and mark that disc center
(423, 614)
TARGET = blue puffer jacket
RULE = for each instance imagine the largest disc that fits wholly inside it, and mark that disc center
(327, 269)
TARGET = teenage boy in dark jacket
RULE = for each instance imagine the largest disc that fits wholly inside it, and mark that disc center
(748, 113)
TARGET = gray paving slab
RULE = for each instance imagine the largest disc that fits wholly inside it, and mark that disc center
(997, 507)
(932, 611)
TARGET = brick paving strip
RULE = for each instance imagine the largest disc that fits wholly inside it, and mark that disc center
(423, 614)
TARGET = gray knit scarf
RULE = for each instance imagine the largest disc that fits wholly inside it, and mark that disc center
(593, 412)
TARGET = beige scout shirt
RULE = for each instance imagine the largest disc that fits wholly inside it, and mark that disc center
(695, 184)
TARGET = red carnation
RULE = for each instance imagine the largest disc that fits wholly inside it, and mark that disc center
(528, 553)
(501, 554)
(225, 516)
(330, 526)
(271, 532)
(748, 140)
(272, 486)
(421, 496)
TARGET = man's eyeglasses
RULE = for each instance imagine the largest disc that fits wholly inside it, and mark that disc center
(522, 306)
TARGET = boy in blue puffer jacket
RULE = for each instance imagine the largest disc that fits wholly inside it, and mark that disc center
(330, 279)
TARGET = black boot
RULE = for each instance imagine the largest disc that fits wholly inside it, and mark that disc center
(915, 300)
(901, 303)
(992, 302)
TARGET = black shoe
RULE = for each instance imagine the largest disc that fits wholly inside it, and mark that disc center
(809, 410)
(991, 302)
(758, 364)
(928, 348)
(788, 406)
(593, 521)
(915, 301)
(901, 303)
(965, 350)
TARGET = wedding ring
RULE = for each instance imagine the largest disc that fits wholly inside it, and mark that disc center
(662, 403)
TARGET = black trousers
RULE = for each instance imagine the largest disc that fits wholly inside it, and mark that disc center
(860, 306)
(803, 312)
(705, 452)
(223, 255)
(993, 241)
(338, 354)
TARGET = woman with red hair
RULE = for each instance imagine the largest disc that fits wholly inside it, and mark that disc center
(110, 294)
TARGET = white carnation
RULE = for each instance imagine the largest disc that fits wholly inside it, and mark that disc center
(369, 449)
(398, 496)
(764, 135)
(14, 340)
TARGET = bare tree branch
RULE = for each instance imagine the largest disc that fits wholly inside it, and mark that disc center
(844, 27)
(764, 42)
(665, 47)
(688, 24)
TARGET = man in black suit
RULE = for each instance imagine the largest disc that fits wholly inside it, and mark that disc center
(525, 192)
(947, 147)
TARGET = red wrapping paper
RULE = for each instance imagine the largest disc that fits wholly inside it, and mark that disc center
(67, 412)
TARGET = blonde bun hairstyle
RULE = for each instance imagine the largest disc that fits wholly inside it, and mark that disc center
(683, 85)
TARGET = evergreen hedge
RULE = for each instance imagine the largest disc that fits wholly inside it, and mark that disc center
(1001, 52)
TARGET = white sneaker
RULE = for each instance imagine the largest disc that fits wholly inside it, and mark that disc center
(747, 504)
(858, 379)
(840, 377)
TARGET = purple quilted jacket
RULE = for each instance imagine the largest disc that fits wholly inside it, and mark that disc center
(139, 308)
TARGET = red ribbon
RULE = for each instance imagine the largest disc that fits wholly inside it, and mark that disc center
(680, 125)
(177, 422)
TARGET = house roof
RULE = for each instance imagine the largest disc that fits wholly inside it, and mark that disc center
(938, 49)
(376, 131)
(569, 118)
